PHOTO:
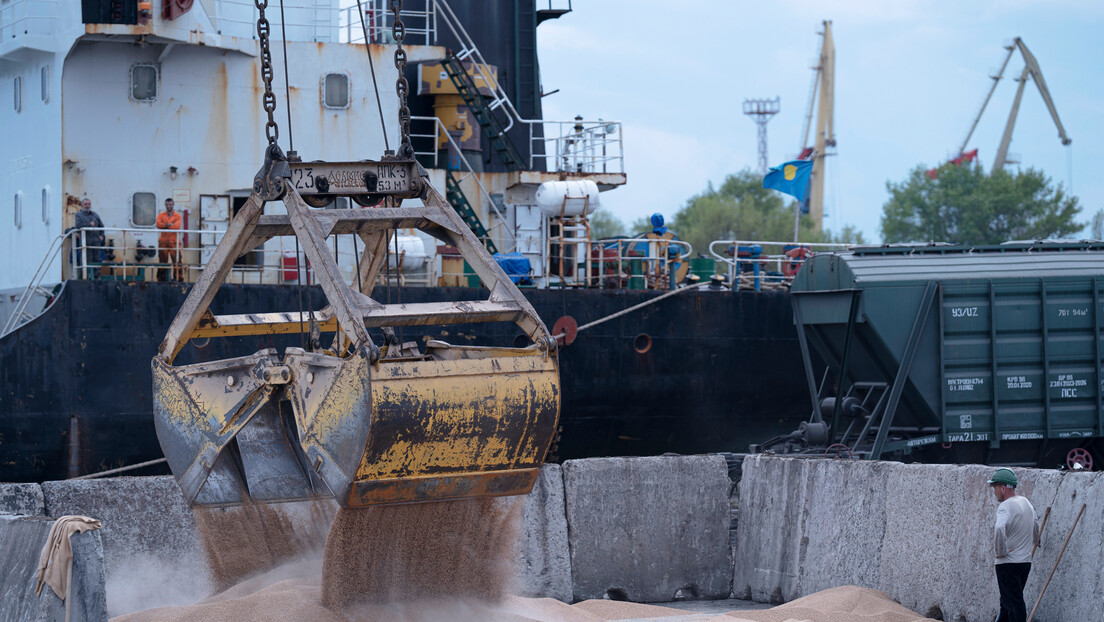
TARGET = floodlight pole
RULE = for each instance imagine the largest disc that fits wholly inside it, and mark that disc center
(761, 111)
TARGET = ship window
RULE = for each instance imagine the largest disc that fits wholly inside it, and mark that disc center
(18, 91)
(18, 210)
(143, 212)
(45, 75)
(335, 91)
(46, 205)
(143, 83)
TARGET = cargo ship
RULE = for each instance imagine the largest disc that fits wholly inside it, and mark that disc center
(126, 104)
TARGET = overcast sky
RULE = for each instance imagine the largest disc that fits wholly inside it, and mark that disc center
(910, 77)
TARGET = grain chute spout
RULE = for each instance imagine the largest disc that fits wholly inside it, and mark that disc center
(359, 422)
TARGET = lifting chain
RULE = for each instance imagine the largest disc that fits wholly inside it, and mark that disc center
(402, 87)
(272, 131)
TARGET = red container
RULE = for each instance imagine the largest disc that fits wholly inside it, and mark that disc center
(291, 266)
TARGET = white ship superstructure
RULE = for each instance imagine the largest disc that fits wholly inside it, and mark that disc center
(130, 114)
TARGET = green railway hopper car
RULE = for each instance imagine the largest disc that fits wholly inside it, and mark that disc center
(951, 353)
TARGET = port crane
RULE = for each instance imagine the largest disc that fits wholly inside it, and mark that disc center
(1031, 70)
(822, 96)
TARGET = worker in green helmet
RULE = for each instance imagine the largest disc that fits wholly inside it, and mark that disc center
(1016, 531)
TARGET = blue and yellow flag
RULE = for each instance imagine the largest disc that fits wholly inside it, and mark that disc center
(791, 178)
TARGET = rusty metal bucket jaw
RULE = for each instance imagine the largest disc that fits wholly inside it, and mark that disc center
(331, 399)
(225, 435)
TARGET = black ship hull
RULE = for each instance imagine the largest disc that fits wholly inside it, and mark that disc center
(703, 371)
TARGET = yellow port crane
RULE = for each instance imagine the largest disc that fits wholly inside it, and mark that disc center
(822, 96)
(1031, 70)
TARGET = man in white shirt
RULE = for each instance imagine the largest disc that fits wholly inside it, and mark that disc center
(1017, 529)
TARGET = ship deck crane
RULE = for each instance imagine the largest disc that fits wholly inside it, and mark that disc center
(1031, 70)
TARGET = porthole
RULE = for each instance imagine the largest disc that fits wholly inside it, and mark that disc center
(642, 343)
(335, 91)
(143, 209)
(143, 83)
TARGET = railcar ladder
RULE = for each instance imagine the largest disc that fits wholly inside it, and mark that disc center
(492, 128)
(459, 202)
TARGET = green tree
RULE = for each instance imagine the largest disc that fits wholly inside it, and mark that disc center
(741, 208)
(848, 235)
(963, 205)
(603, 224)
(1096, 227)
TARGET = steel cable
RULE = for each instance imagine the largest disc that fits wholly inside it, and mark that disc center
(614, 316)
(375, 85)
(287, 88)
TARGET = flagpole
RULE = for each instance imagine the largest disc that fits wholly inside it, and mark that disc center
(797, 219)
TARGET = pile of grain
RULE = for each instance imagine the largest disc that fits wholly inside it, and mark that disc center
(849, 603)
(273, 598)
(423, 551)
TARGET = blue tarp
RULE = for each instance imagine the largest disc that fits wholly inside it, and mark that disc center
(516, 266)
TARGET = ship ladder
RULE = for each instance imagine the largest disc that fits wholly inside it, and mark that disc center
(459, 202)
(500, 143)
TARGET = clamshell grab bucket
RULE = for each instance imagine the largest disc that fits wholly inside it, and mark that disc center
(356, 422)
(401, 431)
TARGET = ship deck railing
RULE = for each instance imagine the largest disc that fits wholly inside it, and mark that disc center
(765, 265)
(634, 263)
(136, 253)
(420, 24)
(502, 234)
(574, 146)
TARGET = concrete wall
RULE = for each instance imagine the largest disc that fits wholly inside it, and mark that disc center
(543, 566)
(645, 529)
(151, 551)
(22, 499)
(648, 529)
(21, 542)
(921, 533)
(154, 548)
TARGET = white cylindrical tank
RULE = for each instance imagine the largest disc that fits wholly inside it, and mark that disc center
(576, 197)
(412, 250)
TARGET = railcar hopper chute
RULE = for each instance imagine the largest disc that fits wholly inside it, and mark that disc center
(360, 422)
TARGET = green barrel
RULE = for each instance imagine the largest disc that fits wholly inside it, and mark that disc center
(704, 267)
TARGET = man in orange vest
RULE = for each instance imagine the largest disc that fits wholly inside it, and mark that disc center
(169, 244)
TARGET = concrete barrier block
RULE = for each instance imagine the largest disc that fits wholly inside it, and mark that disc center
(25, 499)
(773, 497)
(543, 565)
(157, 555)
(140, 515)
(151, 551)
(845, 510)
(88, 591)
(937, 523)
(1077, 590)
(648, 529)
(21, 542)
(921, 533)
